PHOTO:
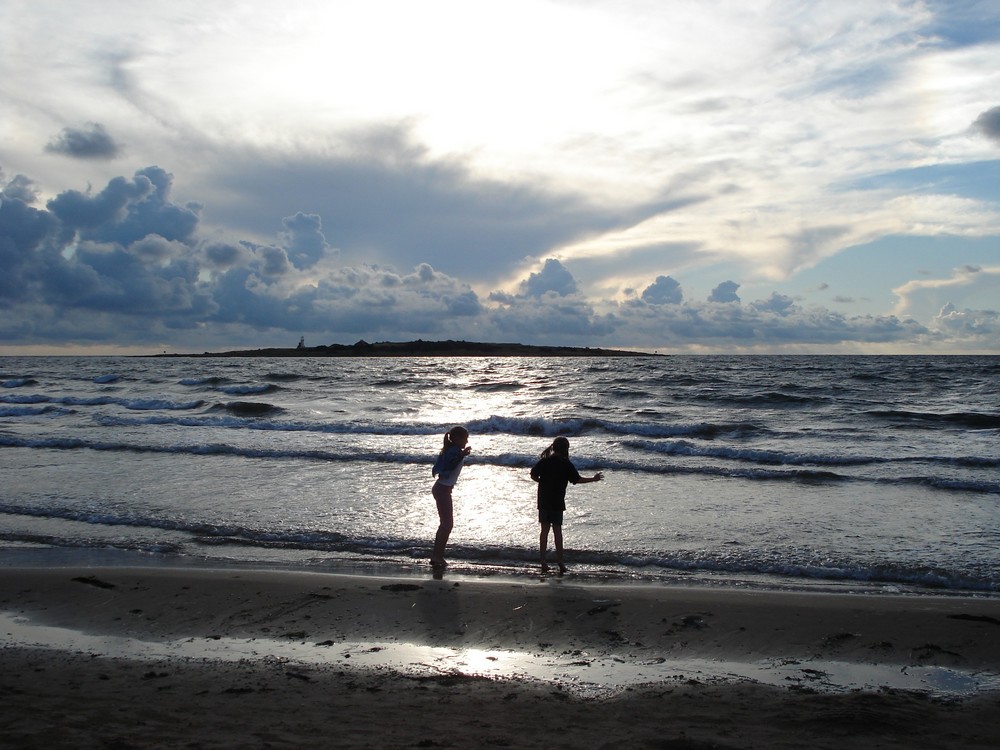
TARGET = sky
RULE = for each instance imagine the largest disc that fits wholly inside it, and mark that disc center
(677, 176)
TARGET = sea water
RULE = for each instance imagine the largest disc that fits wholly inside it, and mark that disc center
(853, 473)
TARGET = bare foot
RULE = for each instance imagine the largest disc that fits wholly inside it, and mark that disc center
(562, 568)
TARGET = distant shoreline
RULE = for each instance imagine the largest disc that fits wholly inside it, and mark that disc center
(422, 348)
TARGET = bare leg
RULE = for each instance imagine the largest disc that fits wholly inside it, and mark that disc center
(557, 536)
(543, 542)
(446, 514)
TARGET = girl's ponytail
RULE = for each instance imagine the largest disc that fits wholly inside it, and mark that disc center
(451, 435)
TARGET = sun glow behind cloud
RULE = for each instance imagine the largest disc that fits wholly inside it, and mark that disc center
(748, 141)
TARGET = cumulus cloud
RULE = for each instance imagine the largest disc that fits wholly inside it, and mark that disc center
(779, 304)
(663, 291)
(223, 255)
(156, 249)
(125, 264)
(725, 292)
(274, 261)
(976, 323)
(303, 239)
(766, 325)
(21, 188)
(552, 278)
(988, 123)
(90, 142)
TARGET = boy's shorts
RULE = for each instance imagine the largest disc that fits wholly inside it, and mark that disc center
(551, 516)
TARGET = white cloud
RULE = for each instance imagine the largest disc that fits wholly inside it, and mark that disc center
(924, 297)
(983, 325)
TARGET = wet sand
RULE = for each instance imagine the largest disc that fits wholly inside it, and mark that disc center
(164, 657)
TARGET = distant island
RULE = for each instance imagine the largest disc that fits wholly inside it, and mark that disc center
(420, 348)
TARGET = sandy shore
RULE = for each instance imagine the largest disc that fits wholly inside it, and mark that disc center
(186, 658)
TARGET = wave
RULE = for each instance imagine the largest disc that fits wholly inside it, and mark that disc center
(24, 399)
(284, 377)
(534, 427)
(107, 379)
(128, 545)
(18, 382)
(246, 409)
(245, 390)
(972, 420)
(34, 411)
(512, 387)
(784, 458)
(771, 398)
(579, 426)
(211, 380)
(135, 404)
(629, 564)
(509, 460)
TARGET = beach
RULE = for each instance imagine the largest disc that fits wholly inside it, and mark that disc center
(132, 657)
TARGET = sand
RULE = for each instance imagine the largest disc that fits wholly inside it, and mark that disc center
(125, 657)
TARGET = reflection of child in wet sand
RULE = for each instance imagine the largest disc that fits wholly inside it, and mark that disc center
(447, 468)
(553, 472)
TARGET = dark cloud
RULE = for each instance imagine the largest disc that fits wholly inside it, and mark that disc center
(388, 202)
(150, 213)
(125, 265)
(155, 249)
(274, 261)
(725, 292)
(988, 123)
(552, 278)
(81, 211)
(779, 304)
(223, 255)
(20, 188)
(92, 142)
(304, 240)
(27, 239)
(758, 325)
(550, 319)
(663, 291)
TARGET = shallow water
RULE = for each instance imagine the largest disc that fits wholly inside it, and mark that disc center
(874, 473)
(581, 673)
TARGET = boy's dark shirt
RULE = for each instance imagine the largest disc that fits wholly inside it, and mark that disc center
(553, 474)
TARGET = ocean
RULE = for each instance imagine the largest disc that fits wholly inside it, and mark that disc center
(848, 473)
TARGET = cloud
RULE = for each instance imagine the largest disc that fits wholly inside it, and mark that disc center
(384, 198)
(223, 255)
(779, 304)
(988, 123)
(21, 188)
(725, 292)
(126, 264)
(303, 239)
(764, 326)
(273, 261)
(92, 142)
(663, 291)
(970, 280)
(552, 278)
(980, 324)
